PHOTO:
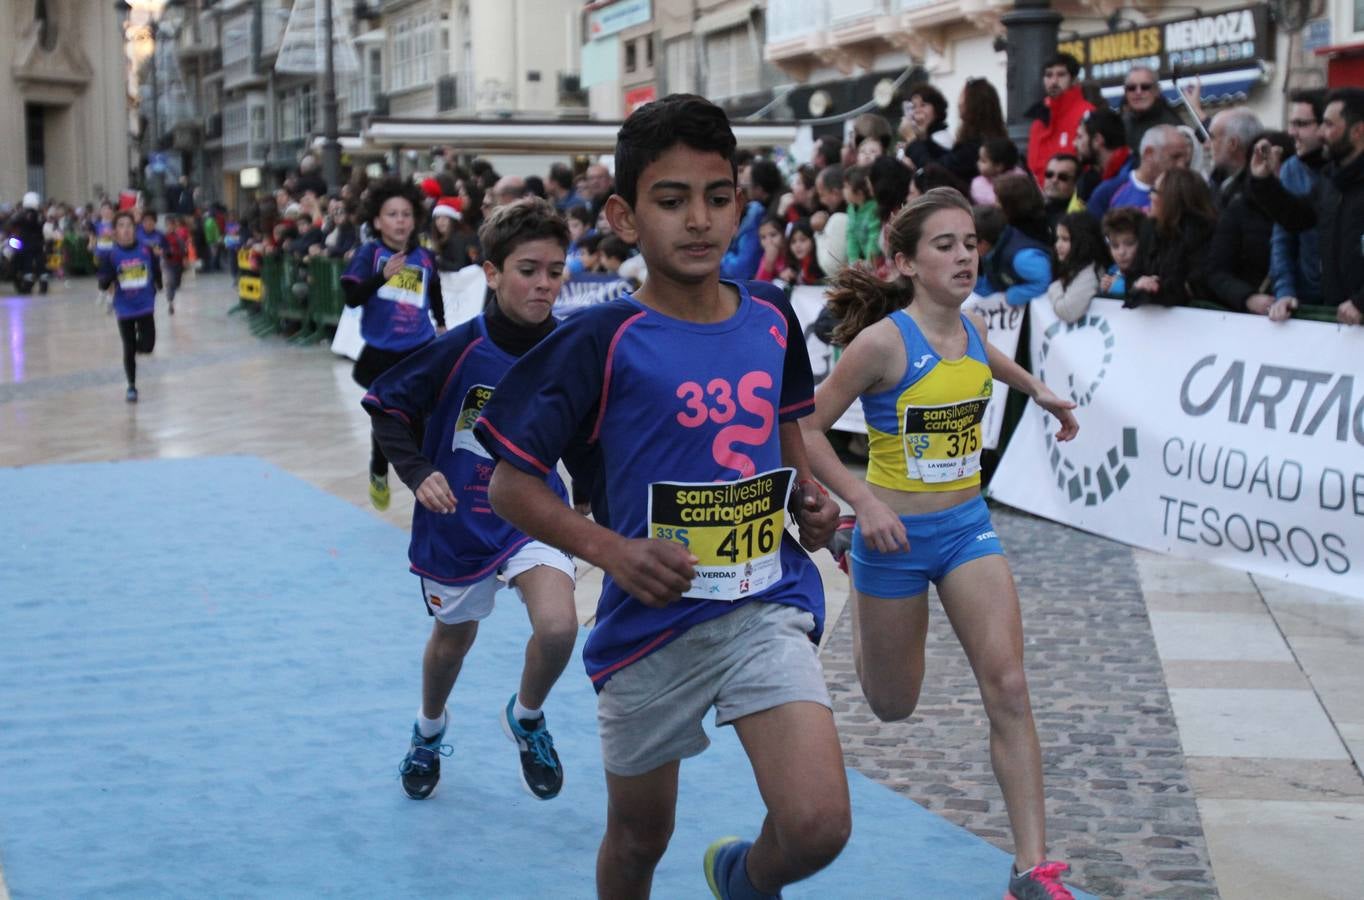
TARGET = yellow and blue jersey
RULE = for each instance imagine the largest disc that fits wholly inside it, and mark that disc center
(924, 434)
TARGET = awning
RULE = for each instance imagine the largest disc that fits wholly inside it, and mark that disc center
(1233, 85)
(501, 136)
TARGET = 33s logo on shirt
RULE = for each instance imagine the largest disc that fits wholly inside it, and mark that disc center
(717, 403)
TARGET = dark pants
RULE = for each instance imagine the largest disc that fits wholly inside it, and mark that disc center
(173, 276)
(139, 336)
(372, 363)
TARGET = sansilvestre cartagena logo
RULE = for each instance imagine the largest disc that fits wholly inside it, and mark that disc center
(1073, 360)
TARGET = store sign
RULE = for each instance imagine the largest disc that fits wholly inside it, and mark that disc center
(617, 17)
(637, 97)
(1231, 39)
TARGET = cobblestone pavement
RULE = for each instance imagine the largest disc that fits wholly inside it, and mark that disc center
(1120, 808)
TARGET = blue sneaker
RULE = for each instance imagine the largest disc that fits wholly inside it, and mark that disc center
(719, 862)
(421, 767)
(541, 772)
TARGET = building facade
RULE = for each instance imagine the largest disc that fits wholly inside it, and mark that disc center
(63, 95)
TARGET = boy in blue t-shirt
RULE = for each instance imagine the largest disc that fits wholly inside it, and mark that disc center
(423, 411)
(395, 283)
(679, 406)
(133, 270)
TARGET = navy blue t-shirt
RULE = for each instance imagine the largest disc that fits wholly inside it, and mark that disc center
(133, 272)
(440, 391)
(398, 316)
(631, 398)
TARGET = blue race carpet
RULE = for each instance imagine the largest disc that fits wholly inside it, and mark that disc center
(208, 673)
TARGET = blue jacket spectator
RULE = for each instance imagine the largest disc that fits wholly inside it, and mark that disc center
(1295, 256)
(763, 182)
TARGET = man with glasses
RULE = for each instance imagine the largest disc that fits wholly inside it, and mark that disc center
(1335, 206)
(1144, 106)
(1295, 256)
(1058, 188)
(1057, 117)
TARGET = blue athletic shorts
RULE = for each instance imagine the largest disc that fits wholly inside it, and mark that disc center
(938, 543)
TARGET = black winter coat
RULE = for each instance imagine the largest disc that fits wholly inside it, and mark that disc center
(1180, 262)
(1238, 262)
(1336, 208)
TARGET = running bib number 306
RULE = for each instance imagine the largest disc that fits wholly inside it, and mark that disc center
(733, 528)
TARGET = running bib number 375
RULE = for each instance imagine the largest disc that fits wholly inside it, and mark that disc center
(942, 443)
(733, 528)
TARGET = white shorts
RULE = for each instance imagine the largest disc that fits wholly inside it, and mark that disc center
(453, 604)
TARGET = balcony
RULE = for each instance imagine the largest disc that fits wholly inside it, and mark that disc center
(849, 34)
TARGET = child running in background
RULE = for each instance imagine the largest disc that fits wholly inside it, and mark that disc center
(423, 410)
(924, 373)
(133, 270)
(174, 247)
(682, 400)
(397, 287)
(1081, 260)
(1122, 230)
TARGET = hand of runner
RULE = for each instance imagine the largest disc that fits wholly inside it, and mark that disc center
(816, 516)
(434, 493)
(653, 571)
(395, 264)
(881, 527)
(1059, 408)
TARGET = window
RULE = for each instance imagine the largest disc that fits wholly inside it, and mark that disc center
(235, 128)
(257, 124)
(731, 67)
(376, 75)
(236, 41)
(648, 51)
(678, 67)
(414, 44)
(630, 62)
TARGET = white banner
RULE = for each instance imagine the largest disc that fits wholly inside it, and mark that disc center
(1215, 436)
(1006, 323)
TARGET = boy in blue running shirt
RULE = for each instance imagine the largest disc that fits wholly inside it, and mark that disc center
(459, 545)
(679, 406)
(133, 270)
(395, 284)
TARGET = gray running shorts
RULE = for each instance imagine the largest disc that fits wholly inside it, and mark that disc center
(757, 657)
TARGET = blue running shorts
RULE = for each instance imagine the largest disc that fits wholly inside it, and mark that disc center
(938, 543)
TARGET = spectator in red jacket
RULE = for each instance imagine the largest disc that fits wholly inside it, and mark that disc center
(1058, 116)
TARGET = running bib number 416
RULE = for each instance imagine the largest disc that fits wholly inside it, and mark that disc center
(733, 528)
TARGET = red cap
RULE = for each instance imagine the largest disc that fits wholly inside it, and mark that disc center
(431, 188)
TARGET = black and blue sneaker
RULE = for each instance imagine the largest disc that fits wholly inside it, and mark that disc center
(421, 767)
(540, 770)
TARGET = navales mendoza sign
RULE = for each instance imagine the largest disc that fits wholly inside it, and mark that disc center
(1203, 434)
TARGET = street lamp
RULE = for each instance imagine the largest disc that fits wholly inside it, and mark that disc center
(331, 147)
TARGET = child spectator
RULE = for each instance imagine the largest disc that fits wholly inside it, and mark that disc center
(864, 225)
(772, 234)
(579, 220)
(804, 264)
(1122, 230)
(589, 253)
(998, 156)
(1081, 260)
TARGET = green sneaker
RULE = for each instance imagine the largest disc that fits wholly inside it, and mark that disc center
(379, 495)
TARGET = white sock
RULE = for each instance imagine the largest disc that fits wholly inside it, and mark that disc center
(429, 728)
(521, 712)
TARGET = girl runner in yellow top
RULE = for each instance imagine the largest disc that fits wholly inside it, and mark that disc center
(924, 372)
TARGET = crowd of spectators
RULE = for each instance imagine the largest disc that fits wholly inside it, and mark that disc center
(1140, 203)
(1102, 201)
